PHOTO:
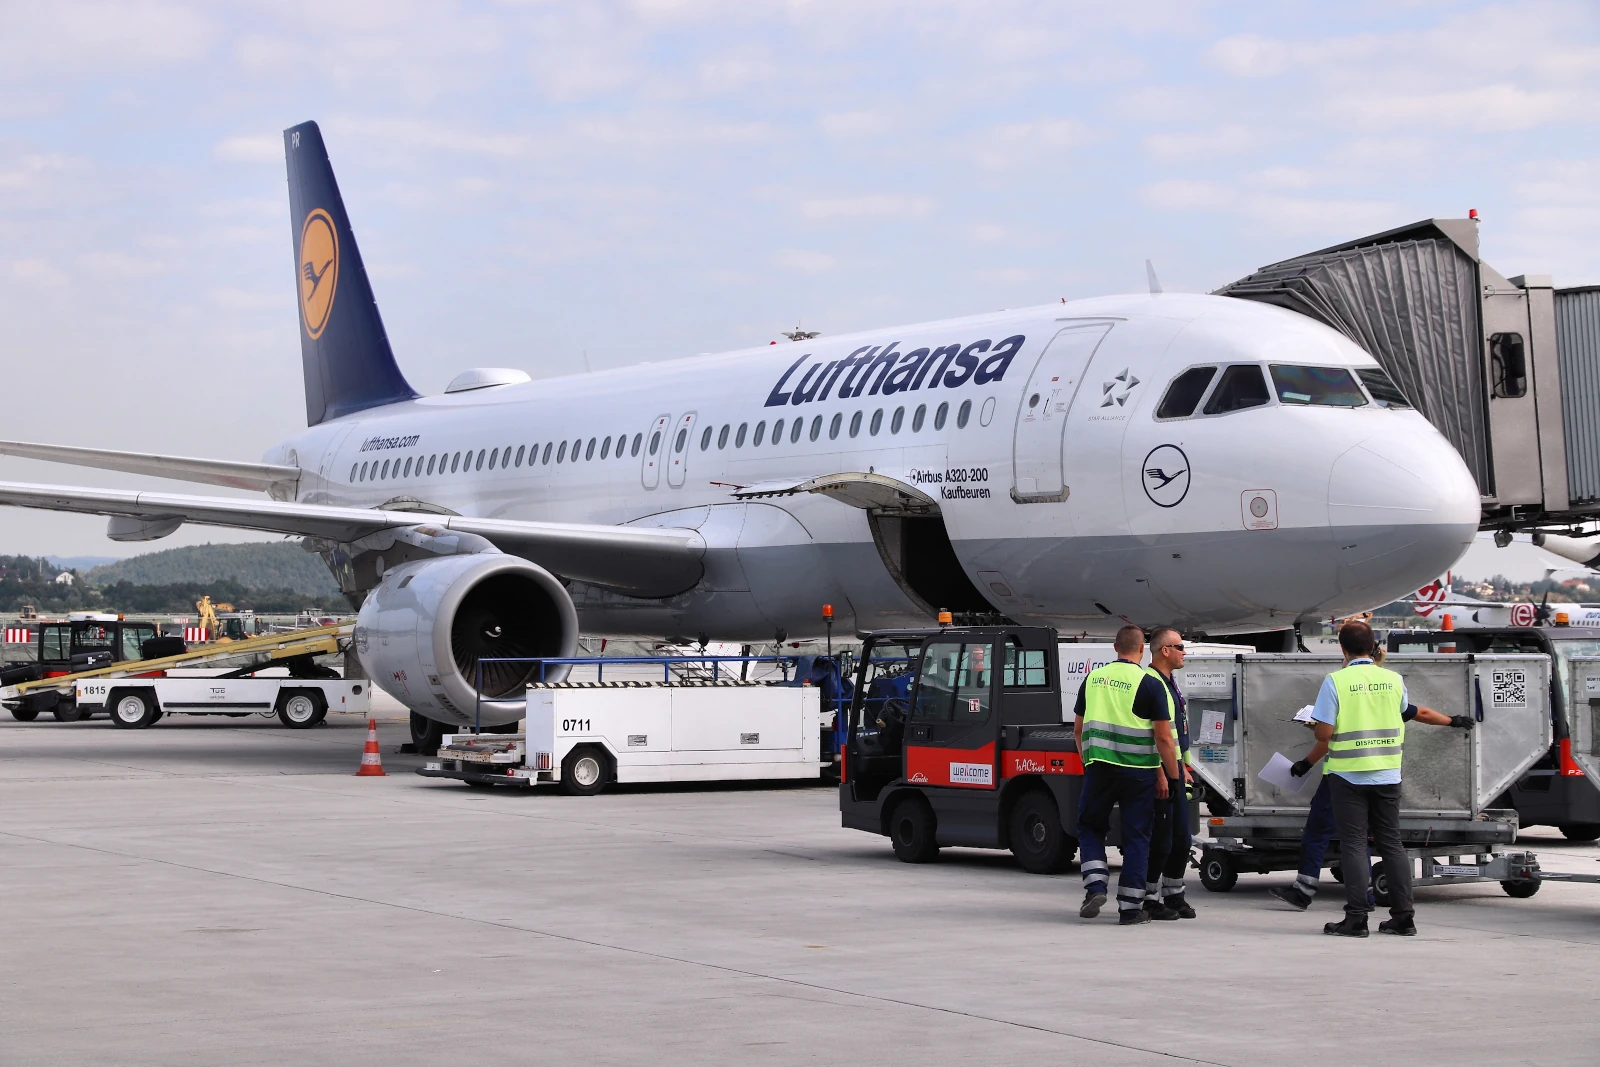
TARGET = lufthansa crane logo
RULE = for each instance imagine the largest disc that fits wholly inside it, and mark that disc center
(319, 271)
(1165, 476)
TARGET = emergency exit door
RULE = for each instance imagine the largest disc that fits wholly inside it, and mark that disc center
(1037, 462)
(950, 726)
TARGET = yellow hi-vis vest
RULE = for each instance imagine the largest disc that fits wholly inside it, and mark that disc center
(1368, 732)
(1112, 733)
(1172, 714)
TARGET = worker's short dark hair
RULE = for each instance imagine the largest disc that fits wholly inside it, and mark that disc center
(1356, 639)
(1129, 640)
(1160, 631)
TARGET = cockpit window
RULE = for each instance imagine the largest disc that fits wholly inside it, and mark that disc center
(1184, 394)
(1242, 386)
(1384, 392)
(1331, 387)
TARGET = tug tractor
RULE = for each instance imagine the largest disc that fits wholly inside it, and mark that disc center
(84, 641)
(955, 737)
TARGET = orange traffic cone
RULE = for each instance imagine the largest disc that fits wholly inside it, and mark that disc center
(371, 756)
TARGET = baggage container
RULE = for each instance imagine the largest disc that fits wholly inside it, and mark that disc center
(1242, 707)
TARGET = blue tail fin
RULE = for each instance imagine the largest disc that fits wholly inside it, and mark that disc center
(348, 363)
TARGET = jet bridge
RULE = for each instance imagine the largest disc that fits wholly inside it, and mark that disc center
(1508, 369)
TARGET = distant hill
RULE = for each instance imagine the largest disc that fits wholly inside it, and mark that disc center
(279, 565)
(81, 563)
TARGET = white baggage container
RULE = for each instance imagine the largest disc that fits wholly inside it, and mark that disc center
(586, 735)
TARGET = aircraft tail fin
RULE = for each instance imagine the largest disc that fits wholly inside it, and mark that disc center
(348, 364)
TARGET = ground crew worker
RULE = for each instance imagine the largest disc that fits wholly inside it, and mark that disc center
(1169, 837)
(1359, 727)
(1319, 827)
(1124, 736)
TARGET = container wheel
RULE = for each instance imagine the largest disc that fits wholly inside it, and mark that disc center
(1217, 872)
(301, 709)
(1522, 889)
(585, 771)
(24, 716)
(1037, 840)
(913, 831)
(66, 713)
(1380, 885)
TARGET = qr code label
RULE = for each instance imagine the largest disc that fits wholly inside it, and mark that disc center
(1510, 688)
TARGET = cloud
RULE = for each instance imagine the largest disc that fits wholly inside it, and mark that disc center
(1198, 144)
(256, 148)
(119, 265)
(876, 207)
(852, 124)
(1249, 55)
(35, 272)
(1496, 108)
(1182, 194)
(802, 261)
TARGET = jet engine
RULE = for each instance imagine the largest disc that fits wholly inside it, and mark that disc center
(423, 630)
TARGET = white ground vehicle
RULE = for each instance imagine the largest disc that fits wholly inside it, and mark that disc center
(222, 679)
(134, 703)
(586, 735)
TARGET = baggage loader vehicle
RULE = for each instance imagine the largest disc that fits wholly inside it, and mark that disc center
(212, 680)
(1241, 713)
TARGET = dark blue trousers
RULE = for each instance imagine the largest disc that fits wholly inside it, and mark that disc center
(1134, 791)
(1320, 829)
(1169, 846)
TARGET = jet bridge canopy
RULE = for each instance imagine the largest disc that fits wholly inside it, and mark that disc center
(1507, 369)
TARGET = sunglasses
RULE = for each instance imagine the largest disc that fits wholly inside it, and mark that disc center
(1175, 648)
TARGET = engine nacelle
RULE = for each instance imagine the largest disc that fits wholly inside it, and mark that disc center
(424, 628)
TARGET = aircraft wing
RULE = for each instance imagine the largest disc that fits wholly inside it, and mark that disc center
(263, 477)
(644, 561)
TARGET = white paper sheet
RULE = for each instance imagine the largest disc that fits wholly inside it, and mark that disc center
(1305, 714)
(1212, 724)
(1276, 774)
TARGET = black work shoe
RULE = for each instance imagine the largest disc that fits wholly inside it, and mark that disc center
(1159, 912)
(1291, 896)
(1179, 906)
(1346, 927)
(1405, 926)
(1092, 903)
(1133, 917)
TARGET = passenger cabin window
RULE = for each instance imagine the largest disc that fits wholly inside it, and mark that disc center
(1329, 387)
(1242, 386)
(1184, 394)
(1025, 668)
(953, 685)
(1384, 392)
(1508, 363)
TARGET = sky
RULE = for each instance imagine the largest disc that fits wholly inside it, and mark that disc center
(554, 186)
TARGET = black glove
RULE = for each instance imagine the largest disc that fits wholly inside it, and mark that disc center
(1461, 722)
(1301, 768)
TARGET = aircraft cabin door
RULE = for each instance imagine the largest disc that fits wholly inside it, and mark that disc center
(1037, 460)
(682, 441)
(655, 448)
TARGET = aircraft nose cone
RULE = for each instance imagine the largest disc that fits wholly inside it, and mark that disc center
(1402, 509)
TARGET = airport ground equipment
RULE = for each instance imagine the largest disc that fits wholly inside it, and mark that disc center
(82, 641)
(1555, 791)
(215, 679)
(956, 737)
(1241, 713)
(1508, 369)
(584, 736)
